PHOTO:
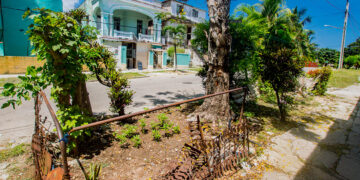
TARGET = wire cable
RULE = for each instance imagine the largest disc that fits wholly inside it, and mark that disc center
(331, 4)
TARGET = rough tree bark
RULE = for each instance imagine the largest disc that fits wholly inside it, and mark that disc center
(217, 78)
(81, 97)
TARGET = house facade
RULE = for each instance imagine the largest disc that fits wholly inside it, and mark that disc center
(13, 38)
(130, 29)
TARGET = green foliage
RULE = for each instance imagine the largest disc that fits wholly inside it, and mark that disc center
(122, 139)
(72, 117)
(13, 152)
(94, 172)
(156, 135)
(176, 129)
(327, 56)
(142, 125)
(267, 93)
(352, 61)
(101, 62)
(322, 80)
(129, 131)
(163, 119)
(30, 85)
(353, 48)
(136, 140)
(154, 125)
(171, 51)
(200, 41)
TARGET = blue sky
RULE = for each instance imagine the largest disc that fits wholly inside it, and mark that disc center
(321, 12)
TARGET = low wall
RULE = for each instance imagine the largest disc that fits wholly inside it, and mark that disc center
(17, 64)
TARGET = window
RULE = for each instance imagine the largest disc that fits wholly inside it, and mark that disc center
(98, 22)
(117, 23)
(179, 9)
(195, 13)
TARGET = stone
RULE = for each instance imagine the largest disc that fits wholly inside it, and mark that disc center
(349, 168)
(270, 175)
(303, 149)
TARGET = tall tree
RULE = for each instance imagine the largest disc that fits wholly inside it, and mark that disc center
(177, 33)
(217, 77)
(353, 48)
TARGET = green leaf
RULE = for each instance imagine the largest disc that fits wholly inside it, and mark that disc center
(9, 85)
(56, 47)
(5, 105)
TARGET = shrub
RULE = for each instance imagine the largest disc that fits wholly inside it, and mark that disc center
(156, 135)
(323, 77)
(73, 117)
(176, 129)
(267, 94)
(171, 51)
(314, 73)
(143, 125)
(136, 140)
(167, 127)
(129, 131)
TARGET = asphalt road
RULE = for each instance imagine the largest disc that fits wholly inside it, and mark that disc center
(157, 89)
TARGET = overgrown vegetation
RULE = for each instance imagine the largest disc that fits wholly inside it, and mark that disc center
(322, 76)
(12, 152)
(65, 46)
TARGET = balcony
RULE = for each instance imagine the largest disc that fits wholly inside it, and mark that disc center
(146, 38)
(125, 35)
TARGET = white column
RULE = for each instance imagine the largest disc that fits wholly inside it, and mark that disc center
(102, 24)
(111, 25)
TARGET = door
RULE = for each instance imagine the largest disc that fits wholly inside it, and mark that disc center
(139, 26)
(123, 54)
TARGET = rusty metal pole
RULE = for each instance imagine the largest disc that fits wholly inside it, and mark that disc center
(60, 135)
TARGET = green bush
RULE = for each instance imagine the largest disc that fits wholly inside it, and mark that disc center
(323, 79)
(154, 125)
(156, 135)
(267, 93)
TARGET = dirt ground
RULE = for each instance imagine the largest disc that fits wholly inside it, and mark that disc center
(148, 161)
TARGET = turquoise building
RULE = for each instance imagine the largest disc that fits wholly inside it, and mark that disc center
(13, 40)
(130, 29)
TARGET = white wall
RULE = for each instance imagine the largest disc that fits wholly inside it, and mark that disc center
(188, 10)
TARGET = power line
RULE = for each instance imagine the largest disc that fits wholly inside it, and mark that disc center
(354, 22)
(331, 4)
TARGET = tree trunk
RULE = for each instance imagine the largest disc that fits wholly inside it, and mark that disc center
(175, 58)
(281, 106)
(81, 97)
(217, 78)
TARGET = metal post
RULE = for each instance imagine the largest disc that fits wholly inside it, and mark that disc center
(341, 59)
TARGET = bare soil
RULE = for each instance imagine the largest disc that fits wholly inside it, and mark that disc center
(151, 160)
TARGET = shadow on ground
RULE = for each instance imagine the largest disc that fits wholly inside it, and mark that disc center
(337, 156)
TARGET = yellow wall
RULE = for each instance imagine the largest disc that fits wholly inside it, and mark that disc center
(17, 64)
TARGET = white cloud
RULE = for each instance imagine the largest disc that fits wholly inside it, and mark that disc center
(69, 4)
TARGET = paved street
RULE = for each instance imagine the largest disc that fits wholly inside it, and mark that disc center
(159, 88)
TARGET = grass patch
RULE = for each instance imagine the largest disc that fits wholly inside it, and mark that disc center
(344, 78)
(13, 152)
(129, 75)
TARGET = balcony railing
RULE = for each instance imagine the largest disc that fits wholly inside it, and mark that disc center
(124, 35)
(147, 38)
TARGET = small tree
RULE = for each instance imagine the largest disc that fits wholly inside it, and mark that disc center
(352, 61)
(280, 63)
(177, 33)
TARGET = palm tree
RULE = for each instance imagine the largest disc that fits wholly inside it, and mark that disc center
(177, 33)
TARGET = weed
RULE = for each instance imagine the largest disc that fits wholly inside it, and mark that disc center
(136, 140)
(156, 135)
(154, 125)
(129, 131)
(162, 118)
(94, 172)
(176, 129)
(143, 125)
(145, 108)
(13, 152)
(122, 140)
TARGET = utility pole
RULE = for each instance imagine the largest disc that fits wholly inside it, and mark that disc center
(343, 36)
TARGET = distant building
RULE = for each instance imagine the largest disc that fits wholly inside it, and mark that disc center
(13, 40)
(130, 29)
